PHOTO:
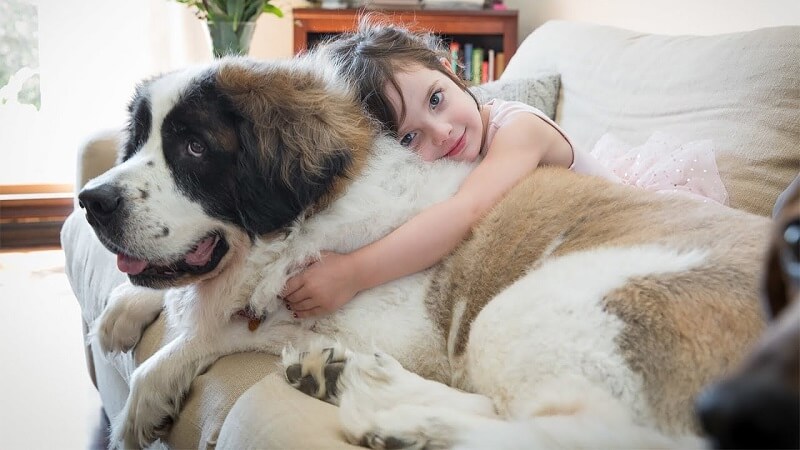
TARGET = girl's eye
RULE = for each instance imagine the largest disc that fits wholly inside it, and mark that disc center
(406, 140)
(195, 148)
(436, 98)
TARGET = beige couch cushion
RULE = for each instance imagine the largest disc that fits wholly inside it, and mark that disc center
(742, 90)
(273, 415)
(97, 154)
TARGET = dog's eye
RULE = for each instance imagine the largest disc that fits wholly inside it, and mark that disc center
(792, 237)
(195, 148)
(790, 252)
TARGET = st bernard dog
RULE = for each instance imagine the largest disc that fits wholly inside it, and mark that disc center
(577, 313)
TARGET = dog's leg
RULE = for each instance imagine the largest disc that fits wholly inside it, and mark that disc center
(158, 386)
(382, 405)
(157, 389)
(432, 416)
(129, 310)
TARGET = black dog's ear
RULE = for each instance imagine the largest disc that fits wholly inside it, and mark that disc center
(140, 120)
(301, 139)
(272, 192)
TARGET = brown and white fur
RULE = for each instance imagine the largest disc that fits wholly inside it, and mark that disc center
(759, 405)
(577, 314)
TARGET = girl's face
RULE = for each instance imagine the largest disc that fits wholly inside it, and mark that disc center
(442, 120)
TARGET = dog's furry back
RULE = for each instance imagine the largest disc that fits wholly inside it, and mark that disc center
(680, 330)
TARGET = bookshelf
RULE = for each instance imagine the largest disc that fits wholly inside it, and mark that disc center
(484, 29)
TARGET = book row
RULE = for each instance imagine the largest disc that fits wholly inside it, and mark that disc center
(476, 65)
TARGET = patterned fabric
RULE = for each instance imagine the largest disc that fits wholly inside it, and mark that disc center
(540, 92)
(664, 164)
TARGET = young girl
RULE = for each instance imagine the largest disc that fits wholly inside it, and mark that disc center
(406, 83)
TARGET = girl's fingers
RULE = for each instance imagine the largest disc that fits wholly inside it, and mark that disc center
(296, 296)
(291, 286)
(303, 305)
(315, 311)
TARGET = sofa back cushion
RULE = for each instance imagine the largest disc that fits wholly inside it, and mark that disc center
(742, 90)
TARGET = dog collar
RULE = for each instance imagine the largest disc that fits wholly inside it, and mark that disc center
(253, 319)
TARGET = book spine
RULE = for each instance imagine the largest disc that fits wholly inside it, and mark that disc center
(490, 66)
(499, 64)
(454, 63)
(468, 61)
(477, 64)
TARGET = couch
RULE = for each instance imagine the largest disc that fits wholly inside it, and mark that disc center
(741, 90)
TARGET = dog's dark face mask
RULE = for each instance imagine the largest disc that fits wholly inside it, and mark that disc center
(759, 407)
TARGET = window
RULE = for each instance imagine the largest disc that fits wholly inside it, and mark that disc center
(20, 93)
(67, 71)
(87, 57)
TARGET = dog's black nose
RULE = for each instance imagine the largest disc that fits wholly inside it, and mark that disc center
(750, 413)
(101, 202)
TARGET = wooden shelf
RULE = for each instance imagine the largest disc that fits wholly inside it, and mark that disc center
(33, 220)
(487, 28)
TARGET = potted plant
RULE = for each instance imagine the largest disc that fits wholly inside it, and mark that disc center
(231, 22)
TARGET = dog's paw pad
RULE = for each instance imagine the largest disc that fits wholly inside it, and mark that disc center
(332, 373)
(317, 372)
(377, 441)
(305, 383)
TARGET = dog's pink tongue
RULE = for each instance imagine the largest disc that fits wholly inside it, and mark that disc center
(130, 265)
(202, 253)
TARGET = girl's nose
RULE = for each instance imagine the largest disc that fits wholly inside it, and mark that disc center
(441, 132)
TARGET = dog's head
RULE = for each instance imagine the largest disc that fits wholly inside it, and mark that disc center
(759, 406)
(216, 156)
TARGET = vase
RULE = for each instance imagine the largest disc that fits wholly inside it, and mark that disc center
(231, 38)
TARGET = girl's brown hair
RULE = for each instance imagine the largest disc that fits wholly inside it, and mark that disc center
(369, 57)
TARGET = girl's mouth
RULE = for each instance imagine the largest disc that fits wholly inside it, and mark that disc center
(458, 147)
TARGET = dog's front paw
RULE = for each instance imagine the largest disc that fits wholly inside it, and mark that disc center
(129, 310)
(147, 415)
(316, 372)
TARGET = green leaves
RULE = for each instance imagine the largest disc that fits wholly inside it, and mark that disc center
(271, 9)
(235, 11)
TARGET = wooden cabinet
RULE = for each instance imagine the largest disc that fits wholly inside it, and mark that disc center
(495, 30)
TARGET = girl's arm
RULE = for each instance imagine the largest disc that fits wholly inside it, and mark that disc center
(518, 148)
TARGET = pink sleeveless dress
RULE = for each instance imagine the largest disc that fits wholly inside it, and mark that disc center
(662, 164)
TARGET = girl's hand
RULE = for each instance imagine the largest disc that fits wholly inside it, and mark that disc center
(322, 287)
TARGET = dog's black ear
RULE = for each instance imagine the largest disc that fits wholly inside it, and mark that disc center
(274, 191)
(301, 139)
(140, 120)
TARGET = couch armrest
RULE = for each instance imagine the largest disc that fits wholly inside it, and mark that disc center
(96, 155)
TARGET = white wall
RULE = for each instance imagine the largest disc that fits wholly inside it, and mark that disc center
(273, 37)
(662, 16)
